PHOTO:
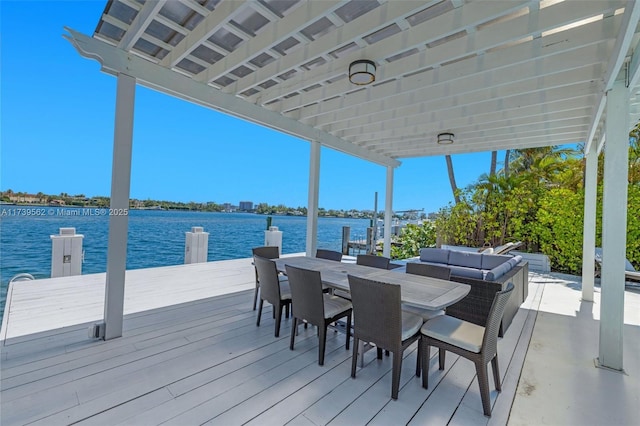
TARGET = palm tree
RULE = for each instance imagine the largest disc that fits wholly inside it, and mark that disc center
(542, 165)
(452, 179)
(506, 162)
(494, 160)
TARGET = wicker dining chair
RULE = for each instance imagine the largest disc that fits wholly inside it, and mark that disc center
(310, 304)
(433, 271)
(476, 343)
(372, 260)
(268, 252)
(272, 289)
(378, 319)
(329, 255)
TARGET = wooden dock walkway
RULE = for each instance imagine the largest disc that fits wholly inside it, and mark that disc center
(191, 354)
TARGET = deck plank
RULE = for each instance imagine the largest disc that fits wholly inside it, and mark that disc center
(107, 360)
(194, 390)
(97, 392)
(264, 381)
(445, 398)
(123, 412)
(17, 350)
(502, 407)
(257, 404)
(337, 399)
(80, 353)
(368, 404)
(414, 396)
(191, 354)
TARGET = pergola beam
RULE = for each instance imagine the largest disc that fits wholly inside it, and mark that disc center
(205, 29)
(278, 31)
(452, 111)
(493, 36)
(348, 33)
(506, 92)
(537, 112)
(478, 143)
(115, 61)
(537, 58)
(431, 149)
(623, 42)
(634, 70)
(522, 124)
(140, 23)
(483, 135)
(429, 31)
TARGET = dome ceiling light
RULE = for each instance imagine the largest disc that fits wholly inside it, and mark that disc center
(362, 72)
(445, 138)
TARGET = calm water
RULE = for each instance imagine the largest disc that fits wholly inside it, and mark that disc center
(156, 238)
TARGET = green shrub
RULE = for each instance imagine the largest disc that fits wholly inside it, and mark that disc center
(412, 238)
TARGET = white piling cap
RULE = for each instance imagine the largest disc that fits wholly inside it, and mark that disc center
(67, 231)
(197, 229)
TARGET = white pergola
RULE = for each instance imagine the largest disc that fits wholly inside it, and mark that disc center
(497, 74)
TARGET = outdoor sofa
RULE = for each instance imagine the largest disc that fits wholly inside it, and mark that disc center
(487, 274)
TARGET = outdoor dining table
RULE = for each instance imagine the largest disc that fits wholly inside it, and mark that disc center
(416, 290)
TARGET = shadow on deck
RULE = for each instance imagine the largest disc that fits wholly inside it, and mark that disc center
(202, 360)
(206, 361)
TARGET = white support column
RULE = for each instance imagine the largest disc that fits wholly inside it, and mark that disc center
(388, 213)
(312, 205)
(614, 228)
(118, 223)
(589, 226)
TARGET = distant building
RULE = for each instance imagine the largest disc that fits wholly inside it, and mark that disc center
(246, 206)
(25, 198)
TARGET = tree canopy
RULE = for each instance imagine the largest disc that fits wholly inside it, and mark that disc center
(537, 198)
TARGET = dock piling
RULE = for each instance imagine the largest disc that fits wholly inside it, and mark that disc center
(66, 253)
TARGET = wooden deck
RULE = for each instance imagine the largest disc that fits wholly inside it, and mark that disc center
(191, 354)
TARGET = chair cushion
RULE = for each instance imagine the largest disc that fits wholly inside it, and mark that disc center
(469, 260)
(455, 332)
(515, 260)
(436, 255)
(342, 293)
(285, 290)
(498, 271)
(411, 324)
(333, 305)
(490, 261)
(433, 263)
(463, 271)
(426, 314)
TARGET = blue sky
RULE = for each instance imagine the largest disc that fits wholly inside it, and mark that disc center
(57, 113)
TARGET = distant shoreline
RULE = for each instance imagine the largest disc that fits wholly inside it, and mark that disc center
(170, 209)
(23, 199)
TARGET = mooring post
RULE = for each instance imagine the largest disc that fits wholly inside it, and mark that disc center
(346, 234)
(66, 253)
